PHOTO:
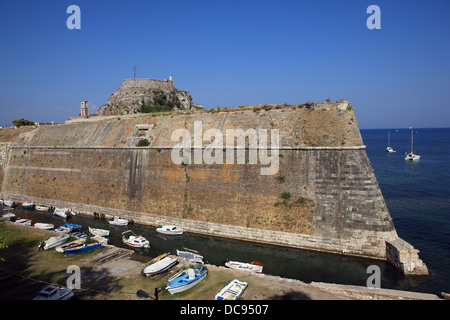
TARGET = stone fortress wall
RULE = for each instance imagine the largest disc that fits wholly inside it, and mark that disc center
(334, 202)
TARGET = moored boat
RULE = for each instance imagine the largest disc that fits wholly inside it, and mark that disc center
(232, 291)
(61, 212)
(28, 205)
(9, 203)
(133, 240)
(42, 208)
(68, 228)
(160, 266)
(190, 254)
(252, 266)
(55, 293)
(83, 248)
(45, 226)
(187, 280)
(169, 230)
(99, 232)
(25, 222)
(53, 242)
(118, 222)
(70, 245)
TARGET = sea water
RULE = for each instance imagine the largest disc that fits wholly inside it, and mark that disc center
(417, 195)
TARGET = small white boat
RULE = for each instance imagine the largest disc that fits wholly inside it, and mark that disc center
(25, 222)
(9, 203)
(389, 148)
(190, 254)
(133, 240)
(252, 266)
(232, 291)
(61, 212)
(412, 156)
(101, 240)
(55, 293)
(28, 205)
(99, 232)
(8, 214)
(53, 242)
(187, 280)
(169, 230)
(70, 245)
(160, 266)
(45, 226)
(42, 208)
(118, 222)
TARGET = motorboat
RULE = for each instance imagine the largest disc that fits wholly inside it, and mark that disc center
(25, 222)
(160, 266)
(99, 232)
(53, 242)
(118, 222)
(232, 291)
(190, 254)
(252, 266)
(61, 212)
(68, 228)
(55, 293)
(133, 240)
(412, 156)
(8, 214)
(42, 208)
(169, 230)
(28, 205)
(9, 203)
(45, 226)
(83, 248)
(187, 280)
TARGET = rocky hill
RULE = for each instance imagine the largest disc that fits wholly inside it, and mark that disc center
(134, 93)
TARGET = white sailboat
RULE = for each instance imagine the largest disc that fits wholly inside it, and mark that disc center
(412, 156)
(389, 148)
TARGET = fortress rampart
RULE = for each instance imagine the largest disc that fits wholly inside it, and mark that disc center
(324, 195)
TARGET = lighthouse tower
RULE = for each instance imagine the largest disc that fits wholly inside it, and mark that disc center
(84, 109)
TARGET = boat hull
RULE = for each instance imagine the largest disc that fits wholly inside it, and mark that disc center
(178, 289)
(170, 230)
(160, 266)
(56, 241)
(244, 266)
(83, 248)
(232, 291)
(45, 226)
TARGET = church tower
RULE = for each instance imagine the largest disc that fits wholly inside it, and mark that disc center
(84, 109)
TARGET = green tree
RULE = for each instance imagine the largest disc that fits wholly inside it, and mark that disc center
(22, 122)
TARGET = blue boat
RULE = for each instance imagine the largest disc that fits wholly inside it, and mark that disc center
(83, 248)
(187, 279)
(79, 235)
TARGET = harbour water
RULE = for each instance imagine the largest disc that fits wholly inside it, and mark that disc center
(417, 196)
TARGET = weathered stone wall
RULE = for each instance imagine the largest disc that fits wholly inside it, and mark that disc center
(334, 202)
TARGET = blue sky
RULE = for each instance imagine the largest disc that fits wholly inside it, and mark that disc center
(230, 53)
